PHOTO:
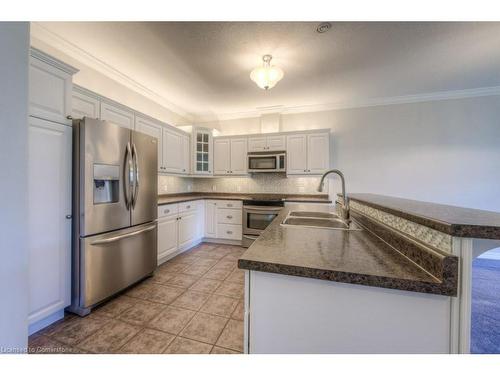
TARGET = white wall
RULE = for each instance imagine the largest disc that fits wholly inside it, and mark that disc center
(14, 42)
(445, 151)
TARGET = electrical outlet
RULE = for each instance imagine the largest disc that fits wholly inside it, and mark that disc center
(214, 187)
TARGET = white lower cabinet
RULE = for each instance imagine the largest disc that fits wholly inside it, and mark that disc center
(178, 228)
(187, 229)
(167, 237)
(210, 219)
(49, 221)
(223, 219)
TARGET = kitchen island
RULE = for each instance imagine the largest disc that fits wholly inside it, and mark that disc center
(399, 285)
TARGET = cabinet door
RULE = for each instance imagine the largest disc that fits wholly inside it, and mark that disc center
(49, 230)
(84, 106)
(186, 152)
(239, 156)
(187, 229)
(117, 115)
(172, 151)
(167, 237)
(153, 129)
(276, 143)
(318, 153)
(296, 154)
(50, 92)
(210, 219)
(257, 144)
(202, 152)
(222, 156)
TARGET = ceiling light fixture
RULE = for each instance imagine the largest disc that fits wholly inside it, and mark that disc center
(267, 75)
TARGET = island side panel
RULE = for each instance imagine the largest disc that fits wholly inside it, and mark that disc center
(289, 314)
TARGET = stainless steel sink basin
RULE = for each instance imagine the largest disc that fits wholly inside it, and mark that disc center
(324, 223)
(313, 214)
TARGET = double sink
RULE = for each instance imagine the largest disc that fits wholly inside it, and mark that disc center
(323, 220)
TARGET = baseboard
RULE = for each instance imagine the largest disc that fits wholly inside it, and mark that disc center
(222, 241)
(45, 322)
(186, 247)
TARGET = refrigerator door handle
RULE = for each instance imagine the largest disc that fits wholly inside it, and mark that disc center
(121, 237)
(127, 176)
(135, 189)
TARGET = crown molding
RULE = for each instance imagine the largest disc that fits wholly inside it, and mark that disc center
(42, 56)
(374, 102)
(56, 41)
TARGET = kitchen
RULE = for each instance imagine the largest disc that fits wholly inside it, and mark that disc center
(256, 228)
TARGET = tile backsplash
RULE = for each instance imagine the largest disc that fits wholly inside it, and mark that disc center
(174, 184)
(258, 183)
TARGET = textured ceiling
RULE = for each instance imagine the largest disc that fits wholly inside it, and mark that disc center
(204, 67)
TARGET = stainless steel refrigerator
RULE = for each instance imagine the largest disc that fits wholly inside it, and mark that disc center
(115, 194)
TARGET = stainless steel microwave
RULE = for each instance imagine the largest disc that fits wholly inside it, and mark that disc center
(266, 162)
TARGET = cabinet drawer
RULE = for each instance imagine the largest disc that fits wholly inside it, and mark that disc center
(229, 216)
(168, 209)
(188, 206)
(229, 204)
(229, 231)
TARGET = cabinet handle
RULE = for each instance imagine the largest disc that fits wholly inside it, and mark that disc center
(229, 216)
(229, 205)
(69, 217)
(166, 211)
(188, 207)
(69, 117)
(229, 232)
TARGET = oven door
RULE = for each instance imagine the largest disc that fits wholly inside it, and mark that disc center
(257, 218)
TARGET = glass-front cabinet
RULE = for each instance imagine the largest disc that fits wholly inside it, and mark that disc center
(203, 151)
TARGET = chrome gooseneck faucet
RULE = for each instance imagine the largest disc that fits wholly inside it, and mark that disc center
(345, 204)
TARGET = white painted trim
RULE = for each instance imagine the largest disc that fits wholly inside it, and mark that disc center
(42, 56)
(56, 41)
(45, 322)
(246, 315)
(460, 322)
(373, 102)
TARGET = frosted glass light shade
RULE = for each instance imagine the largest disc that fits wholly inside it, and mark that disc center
(266, 76)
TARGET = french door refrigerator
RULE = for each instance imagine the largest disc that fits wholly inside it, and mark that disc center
(115, 196)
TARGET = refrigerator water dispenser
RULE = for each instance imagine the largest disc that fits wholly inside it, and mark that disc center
(106, 183)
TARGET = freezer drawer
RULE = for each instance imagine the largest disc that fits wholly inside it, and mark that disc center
(111, 262)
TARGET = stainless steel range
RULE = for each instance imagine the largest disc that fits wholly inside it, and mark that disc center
(257, 215)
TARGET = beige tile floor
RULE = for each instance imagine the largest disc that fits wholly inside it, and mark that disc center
(192, 304)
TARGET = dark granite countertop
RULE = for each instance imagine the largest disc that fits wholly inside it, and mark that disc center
(186, 197)
(456, 221)
(356, 257)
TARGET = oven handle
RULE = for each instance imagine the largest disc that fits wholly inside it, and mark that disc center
(260, 208)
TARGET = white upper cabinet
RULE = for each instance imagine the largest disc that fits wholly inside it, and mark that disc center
(267, 143)
(116, 114)
(50, 88)
(239, 156)
(154, 129)
(296, 154)
(186, 153)
(84, 105)
(318, 153)
(202, 151)
(222, 156)
(276, 143)
(308, 153)
(176, 151)
(257, 144)
(49, 218)
(172, 151)
(230, 156)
